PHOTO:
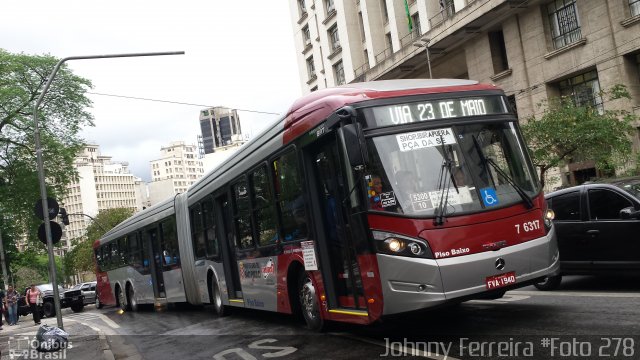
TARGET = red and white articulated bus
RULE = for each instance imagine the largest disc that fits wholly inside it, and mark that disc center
(365, 200)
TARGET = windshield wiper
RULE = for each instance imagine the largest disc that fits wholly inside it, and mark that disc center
(485, 160)
(441, 210)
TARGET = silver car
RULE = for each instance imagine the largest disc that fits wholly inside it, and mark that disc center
(88, 290)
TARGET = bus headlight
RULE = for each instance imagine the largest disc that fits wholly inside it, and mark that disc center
(549, 215)
(394, 244)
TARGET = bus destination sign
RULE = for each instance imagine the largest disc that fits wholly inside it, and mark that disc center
(439, 109)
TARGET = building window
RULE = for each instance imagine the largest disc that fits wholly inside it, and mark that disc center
(338, 70)
(583, 89)
(634, 5)
(306, 36)
(498, 52)
(447, 7)
(563, 19)
(334, 38)
(329, 6)
(311, 68)
(361, 22)
(415, 21)
(385, 13)
(302, 8)
(387, 38)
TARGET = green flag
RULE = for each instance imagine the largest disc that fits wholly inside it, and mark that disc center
(406, 7)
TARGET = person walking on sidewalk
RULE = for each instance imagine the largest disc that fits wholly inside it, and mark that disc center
(34, 298)
(11, 302)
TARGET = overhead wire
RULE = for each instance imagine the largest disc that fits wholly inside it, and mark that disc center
(182, 103)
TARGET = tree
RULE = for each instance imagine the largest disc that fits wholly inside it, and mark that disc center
(80, 258)
(567, 131)
(62, 114)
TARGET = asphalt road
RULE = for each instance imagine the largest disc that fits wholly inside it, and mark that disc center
(588, 317)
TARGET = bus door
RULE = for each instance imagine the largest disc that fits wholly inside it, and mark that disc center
(156, 262)
(336, 248)
(225, 232)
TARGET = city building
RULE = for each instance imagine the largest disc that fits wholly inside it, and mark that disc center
(532, 49)
(221, 136)
(177, 168)
(220, 128)
(101, 184)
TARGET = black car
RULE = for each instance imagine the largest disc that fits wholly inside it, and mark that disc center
(71, 298)
(598, 229)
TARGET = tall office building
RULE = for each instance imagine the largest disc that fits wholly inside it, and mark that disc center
(532, 49)
(220, 128)
(177, 168)
(101, 184)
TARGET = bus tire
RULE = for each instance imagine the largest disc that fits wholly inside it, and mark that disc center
(309, 303)
(131, 298)
(216, 298)
(122, 300)
(549, 283)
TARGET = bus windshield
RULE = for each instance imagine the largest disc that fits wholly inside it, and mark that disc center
(458, 168)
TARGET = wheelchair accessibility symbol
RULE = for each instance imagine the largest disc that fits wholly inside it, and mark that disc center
(489, 197)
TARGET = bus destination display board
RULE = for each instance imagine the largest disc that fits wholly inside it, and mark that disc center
(438, 109)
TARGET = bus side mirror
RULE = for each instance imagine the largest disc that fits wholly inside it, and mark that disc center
(355, 144)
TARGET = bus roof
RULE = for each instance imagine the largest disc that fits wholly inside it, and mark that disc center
(310, 110)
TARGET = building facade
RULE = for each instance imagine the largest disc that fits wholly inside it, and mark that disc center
(532, 49)
(101, 184)
(220, 128)
(177, 168)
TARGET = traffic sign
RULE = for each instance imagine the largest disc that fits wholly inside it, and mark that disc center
(56, 232)
(54, 208)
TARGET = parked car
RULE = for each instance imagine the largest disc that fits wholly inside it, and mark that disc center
(88, 289)
(598, 227)
(70, 298)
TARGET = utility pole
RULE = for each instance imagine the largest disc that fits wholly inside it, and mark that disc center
(40, 164)
(3, 260)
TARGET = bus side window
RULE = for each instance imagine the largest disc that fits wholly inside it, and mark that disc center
(99, 258)
(169, 243)
(242, 215)
(197, 232)
(289, 197)
(135, 258)
(263, 208)
(211, 239)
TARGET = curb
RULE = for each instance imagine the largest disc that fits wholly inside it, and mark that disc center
(106, 350)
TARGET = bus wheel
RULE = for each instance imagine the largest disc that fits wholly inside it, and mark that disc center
(309, 303)
(131, 299)
(549, 283)
(220, 308)
(122, 301)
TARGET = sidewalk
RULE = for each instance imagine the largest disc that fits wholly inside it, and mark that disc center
(84, 342)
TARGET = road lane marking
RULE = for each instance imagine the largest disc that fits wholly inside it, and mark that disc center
(577, 294)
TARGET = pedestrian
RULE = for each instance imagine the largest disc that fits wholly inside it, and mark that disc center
(34, 298)
(11, 302)
(3, 313)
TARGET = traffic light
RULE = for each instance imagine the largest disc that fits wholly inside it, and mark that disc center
(64, 216)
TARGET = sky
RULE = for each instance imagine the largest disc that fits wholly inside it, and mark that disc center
(238, 54)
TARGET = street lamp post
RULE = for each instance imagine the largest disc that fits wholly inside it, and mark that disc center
(425, 44)
(39, 161)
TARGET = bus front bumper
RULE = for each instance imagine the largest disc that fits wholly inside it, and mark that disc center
(410, 284)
